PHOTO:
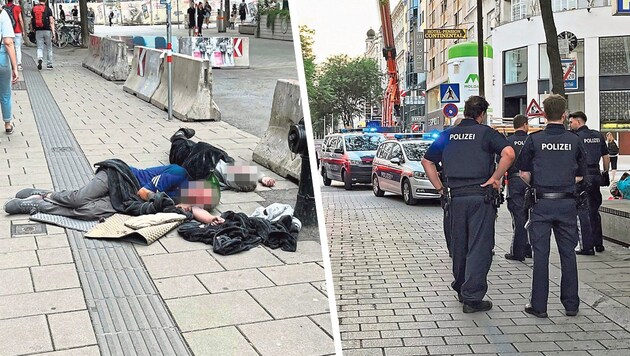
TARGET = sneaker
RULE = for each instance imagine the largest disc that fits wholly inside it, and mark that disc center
(530, 310)
(511, 257)
(185, 132)
(27, 192)
(600, 248)
(590, 252)
(481, 306)
(20, 67)
(39, 64)
(49, 66)
(23, 206)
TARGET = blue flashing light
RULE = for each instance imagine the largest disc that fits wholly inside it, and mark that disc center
(370, 129)
(435, 135)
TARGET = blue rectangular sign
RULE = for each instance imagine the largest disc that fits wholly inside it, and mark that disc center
(570, 74)
(621, 7)
(449, 93)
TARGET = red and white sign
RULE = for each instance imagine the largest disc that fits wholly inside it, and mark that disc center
(534, 110)
(142, 61)
(238, 47)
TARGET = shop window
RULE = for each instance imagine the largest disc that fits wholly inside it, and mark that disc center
(577, 53)
(614, 55)
(515, 64)
(614, 106)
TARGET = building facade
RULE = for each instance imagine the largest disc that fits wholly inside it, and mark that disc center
(601, 48)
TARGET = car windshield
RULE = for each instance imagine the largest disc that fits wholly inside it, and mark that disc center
(415, 151)
(363, 142)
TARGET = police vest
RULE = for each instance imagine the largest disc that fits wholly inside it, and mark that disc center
(464, 156)
(517, 142)
(593, 141)
(554, 163)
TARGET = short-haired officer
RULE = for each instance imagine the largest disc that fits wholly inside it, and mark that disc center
(467, 152)
(520, 248)
(596, 149)
(552, 161)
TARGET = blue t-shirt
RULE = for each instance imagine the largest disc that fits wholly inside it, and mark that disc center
(168, 179)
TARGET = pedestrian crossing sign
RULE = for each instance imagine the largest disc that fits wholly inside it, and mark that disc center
(534, 110)
(449, 93)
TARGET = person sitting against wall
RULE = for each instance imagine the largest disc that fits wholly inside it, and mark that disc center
(623, 187)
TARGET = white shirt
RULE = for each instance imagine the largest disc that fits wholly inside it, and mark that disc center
(6, 28)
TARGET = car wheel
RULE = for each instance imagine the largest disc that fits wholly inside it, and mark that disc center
(347, 181)
(327, 180)
(375, 188)
(408, 193)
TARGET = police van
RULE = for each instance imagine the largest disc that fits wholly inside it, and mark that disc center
(397, 169)
(347, 156)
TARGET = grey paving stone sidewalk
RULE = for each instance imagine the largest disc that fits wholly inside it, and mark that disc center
(258, 302)
(392, 280)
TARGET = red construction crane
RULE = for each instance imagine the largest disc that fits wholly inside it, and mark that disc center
(391, 98)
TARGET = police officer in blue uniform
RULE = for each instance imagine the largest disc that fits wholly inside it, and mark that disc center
(552, 161)
(520, 248)
(596, 149)
(467, 152)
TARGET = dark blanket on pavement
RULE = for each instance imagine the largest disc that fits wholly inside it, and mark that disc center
(241, 233)
(123, 192)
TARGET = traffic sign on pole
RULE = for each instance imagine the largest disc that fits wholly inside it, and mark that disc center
(534, 110)
(450, 110)
(449, 93)
(169, 58)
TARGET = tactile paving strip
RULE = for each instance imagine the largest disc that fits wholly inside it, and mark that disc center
(64, 221)
(128, 314)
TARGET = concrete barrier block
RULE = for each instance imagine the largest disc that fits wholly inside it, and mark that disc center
(146, 73)
(247, 29)
(616, 220)
(192, 90)
(109, 60)
(273, 150)
(94, 53)
(221, 52)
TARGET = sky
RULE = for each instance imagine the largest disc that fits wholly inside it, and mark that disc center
(340, 25)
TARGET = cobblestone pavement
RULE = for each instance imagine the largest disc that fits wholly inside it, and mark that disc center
(260, 302)
(392, 280)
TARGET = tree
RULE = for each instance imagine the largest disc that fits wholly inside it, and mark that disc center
(308, 57)
(85, 31)
(553, 51)
(343, 85)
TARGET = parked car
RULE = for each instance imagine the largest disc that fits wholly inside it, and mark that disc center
(396, 168)
(347, 157)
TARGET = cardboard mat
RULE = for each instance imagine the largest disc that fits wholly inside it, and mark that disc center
(62, 221)
(114, 228)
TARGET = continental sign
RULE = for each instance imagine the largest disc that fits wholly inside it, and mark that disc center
(445, 34)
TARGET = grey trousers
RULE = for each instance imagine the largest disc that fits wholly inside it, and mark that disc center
(90, 202)
(44, 39)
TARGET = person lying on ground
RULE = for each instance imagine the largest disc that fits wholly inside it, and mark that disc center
(623, 186)
(202, 158)
(117, 187)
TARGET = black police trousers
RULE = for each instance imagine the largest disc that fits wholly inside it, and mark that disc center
(446, 224)
(557, 215)
(472, 234)
(515, 204)
(590, 219)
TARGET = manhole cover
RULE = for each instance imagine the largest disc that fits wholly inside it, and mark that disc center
(28, 229)
(62, 149)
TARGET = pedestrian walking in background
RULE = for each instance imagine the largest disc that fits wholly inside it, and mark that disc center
(62, 15)
(207, 12)
(200, 17)
(19, 29)
(8, 70)
(596, 150)
(520, 248)
(75, 13)
(233, 15)
(242, 11)
(613, 153)
(551, 162)
(91, 19)
(111, 18)
(467, 152)
(44, 25)
(191, 19)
